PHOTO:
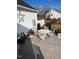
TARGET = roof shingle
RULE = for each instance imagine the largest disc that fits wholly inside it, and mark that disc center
(22, 3)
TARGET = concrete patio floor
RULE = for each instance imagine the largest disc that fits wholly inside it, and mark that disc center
(35, 48)
(51, 49)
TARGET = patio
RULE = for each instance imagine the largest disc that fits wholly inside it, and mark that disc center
(35, 48)
(51, 49)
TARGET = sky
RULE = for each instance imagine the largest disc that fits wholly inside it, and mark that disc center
(49, 3)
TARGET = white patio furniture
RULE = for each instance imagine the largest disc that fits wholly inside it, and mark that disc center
(43, 33)
(50, 35)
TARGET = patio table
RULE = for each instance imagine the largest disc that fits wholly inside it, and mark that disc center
(43, 33)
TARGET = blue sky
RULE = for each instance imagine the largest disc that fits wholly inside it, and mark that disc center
(50, 3)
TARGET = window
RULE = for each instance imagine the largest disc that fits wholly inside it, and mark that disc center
(34, 23)
(51, 14)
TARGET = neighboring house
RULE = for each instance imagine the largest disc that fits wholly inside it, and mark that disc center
(42, 22)
(51, 14)
(26, 17)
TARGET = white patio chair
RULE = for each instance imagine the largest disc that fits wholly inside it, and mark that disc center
(41, 36)
(50, 36)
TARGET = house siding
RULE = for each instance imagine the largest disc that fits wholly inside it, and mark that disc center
(28, 19)
(54, 14)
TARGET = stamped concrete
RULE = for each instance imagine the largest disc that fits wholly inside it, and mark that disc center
(51, 49)
(35, 48)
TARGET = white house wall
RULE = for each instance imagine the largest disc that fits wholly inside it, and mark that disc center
(28, 19)
(42, 22)
(54, 14)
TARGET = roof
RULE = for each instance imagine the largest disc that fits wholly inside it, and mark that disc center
(22, 3)
(57, 10)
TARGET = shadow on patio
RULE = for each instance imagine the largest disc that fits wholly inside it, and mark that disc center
(30, 51)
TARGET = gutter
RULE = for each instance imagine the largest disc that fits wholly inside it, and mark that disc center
(27, 8)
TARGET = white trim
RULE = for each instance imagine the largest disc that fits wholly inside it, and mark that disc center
(26, 8)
